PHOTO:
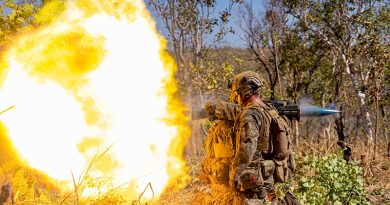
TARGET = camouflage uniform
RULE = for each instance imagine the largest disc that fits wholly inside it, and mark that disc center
(219, 152)
(222, 110)
(219, 145)
(253, 143)
(253, 157)
(254, 164)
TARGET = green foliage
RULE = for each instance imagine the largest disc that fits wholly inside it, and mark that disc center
(308, 69)
(51, 10)
(330, 180)
(15, 16)
(386, 99)
(212, 78)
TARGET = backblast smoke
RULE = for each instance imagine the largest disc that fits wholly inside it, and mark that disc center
(308, 110)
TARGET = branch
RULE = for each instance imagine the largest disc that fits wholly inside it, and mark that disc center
(320, 34)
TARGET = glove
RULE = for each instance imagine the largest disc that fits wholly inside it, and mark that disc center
(236, 185)
(210, 108)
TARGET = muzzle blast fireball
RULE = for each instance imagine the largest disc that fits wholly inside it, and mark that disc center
(95, 103)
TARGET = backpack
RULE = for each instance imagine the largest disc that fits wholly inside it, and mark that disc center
(277, 162)
(281, 146)
(219, 145)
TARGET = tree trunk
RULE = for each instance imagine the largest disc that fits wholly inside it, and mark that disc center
(273, 86)
(377, 111)
(295, 125)
(385, 129)
(367, 123)
(347, 150)
(388, 146)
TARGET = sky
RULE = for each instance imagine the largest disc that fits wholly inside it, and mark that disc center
(230, 39)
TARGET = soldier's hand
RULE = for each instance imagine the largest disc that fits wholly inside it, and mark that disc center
(235, 185)
(210, 108)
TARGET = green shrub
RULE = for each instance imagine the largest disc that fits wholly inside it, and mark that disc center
(329, 180)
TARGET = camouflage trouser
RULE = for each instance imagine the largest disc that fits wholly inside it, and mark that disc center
(290, 199)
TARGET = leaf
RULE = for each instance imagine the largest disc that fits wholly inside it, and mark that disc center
(306, 185)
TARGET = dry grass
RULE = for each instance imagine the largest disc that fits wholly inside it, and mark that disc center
(28, 186)
(186, 195)
(376, 170)
(24, 185)
(375, 165)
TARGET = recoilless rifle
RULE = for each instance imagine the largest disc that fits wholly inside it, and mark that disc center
(287, 108)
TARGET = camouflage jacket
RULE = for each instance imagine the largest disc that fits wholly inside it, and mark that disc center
(226, 111)
(252, 129)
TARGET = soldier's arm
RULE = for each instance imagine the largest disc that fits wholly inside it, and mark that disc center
(227, 111)
(247, 137)
(222, 110)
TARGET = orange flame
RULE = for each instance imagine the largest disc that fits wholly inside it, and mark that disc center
(94, 95)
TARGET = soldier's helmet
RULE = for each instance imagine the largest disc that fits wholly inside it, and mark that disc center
(244, 85)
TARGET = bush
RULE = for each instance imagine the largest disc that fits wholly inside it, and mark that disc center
(329, 180)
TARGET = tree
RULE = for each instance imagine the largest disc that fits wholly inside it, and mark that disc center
(265, 37)
(349, 28)
(189, 24)
(306, 61)
(14, 16)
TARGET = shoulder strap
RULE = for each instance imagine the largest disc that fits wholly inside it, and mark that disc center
(272, 112)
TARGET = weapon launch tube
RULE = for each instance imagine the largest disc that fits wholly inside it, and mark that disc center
(294, 111)
(199, 113)
(286, 108)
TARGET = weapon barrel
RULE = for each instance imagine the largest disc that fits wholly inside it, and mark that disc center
(198, 114)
